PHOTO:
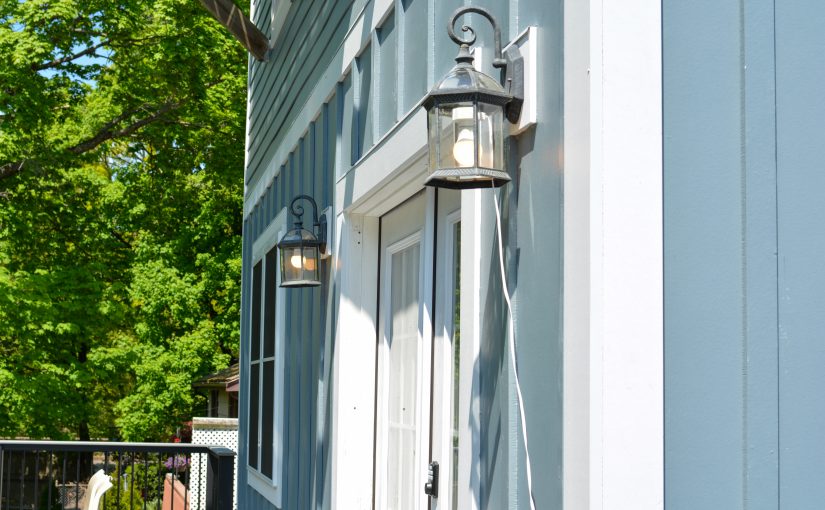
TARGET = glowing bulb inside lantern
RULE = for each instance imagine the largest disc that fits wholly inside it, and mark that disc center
(463, 148)
(295, 260)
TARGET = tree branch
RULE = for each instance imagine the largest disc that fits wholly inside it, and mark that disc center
(10, 169)
(107, 133)
(120, 238)
(69, 58)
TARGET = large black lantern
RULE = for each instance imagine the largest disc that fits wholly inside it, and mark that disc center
(301, 249)
(466, 112)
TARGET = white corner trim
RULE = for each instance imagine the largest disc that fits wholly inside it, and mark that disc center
(613, 276)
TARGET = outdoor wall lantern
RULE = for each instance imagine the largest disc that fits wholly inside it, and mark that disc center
(301, 249)
(466, 111)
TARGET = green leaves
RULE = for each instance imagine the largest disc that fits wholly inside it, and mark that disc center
(121, 182)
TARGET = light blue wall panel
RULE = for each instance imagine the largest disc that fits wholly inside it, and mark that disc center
(387, 76)
(800, 127)
(536, 235)
(363, 99)
(416, 30)
(769, 132)
(704, 315)
(532, 230)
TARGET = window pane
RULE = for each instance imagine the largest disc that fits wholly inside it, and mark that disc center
(402, 419)
(269, 302)
(255, 336)
(252, 424)
(267, 421)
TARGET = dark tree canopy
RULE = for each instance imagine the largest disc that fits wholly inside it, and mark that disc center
(121, 184)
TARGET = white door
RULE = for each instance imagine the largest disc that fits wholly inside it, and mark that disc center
(451, 404)
(417, 406)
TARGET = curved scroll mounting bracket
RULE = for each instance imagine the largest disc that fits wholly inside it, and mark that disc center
(319, 224)
(510, 62)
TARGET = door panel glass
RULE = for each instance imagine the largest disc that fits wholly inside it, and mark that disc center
(402, 409)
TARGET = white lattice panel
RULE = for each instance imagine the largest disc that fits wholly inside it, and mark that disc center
(211, 431)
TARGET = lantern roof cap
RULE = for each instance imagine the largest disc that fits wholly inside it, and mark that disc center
(465, 83)
(298, 237)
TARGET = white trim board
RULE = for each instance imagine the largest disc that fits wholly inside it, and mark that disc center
(613, 275)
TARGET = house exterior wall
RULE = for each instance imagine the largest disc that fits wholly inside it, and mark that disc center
(742, 148)
(304, 137)
(743, 180)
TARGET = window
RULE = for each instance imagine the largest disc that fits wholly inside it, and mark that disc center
(266, 365)
(213, 404)
(233, 405)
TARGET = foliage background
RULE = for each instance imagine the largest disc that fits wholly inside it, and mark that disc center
(121, 174)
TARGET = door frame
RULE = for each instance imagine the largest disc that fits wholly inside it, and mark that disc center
(393, 171)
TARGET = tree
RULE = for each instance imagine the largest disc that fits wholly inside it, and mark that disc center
(121, 163)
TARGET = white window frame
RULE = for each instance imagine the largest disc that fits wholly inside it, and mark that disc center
(271, 489)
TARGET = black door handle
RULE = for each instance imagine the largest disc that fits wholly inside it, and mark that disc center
(431, 487)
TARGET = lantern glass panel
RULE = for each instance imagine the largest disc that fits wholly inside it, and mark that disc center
(433, 132)
(310, 263)
(491, 134)
(457, 137)
(291, 264)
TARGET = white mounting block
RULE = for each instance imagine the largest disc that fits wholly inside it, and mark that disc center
(527, 43)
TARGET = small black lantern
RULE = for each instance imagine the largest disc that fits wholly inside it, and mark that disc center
(301, 249)
(465, 115)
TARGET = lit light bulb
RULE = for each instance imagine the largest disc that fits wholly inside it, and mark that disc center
(463, 148)
(295, 260)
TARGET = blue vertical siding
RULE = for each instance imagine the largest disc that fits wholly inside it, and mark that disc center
(705, 257)
(308, 170)
(744, 298)
(532, 207)
(800, 153)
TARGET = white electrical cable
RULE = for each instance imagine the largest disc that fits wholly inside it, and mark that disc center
(512, 342)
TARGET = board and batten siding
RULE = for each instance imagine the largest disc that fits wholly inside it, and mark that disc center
(306, 452)
(744, 145)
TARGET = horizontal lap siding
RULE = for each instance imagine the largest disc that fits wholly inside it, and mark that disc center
(260, 14)
(312, 34)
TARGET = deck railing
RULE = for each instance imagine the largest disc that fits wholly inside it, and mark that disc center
(37, 475)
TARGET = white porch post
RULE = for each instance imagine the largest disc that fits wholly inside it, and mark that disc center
(613, 344)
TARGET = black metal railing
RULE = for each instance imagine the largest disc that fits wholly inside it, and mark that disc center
(46, 475)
